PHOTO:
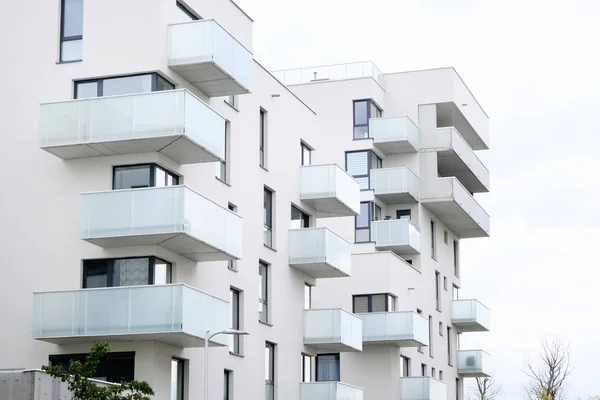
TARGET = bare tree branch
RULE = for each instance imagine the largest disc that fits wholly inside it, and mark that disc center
(485, 389)
(547, 381)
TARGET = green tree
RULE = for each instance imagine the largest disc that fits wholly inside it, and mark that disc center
(79, 374)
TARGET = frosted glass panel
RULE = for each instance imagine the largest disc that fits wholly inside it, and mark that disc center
(395, 326)
(329, 391)
(394, 129)
(334, 326)
(319, 245)
(329, 181)
(396, 232)
(422, 388)
(395, 180)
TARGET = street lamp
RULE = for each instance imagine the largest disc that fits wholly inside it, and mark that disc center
(207, 337)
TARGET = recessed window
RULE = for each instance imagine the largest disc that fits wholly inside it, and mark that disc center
(362, 223)
(263, 292)
(403, 214)
(445, 284)
(441, 328)
(423, 369)
(222, 166)
(177, 374)
(328, 367)
(445, 240)
(234, 304)
(456, 262)
(455, 294)
(232, 101)
(420, 348)
(433, 372)
(441, 376)
(263, 138)
(432, 238)
(438, 293)
(299, 219)
(404, 367)
(269, 371)
(183, 14)
(368, 303)
(142, 83)
(227, 384)
(306, 368)
(268, 218)
(125, 272)
(431, 328)
(305, 154)
(307, 296)
(449, 344)
(142, 176)
(231, 264)
(363, 110)
(114, 367)
(360, 163)
(71, 30)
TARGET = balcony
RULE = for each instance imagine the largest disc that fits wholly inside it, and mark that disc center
(326, 73)
(177, 315)
(455, 207)
(395, 185)
(208, 57)
(456, 158)
(402, 329)
(333, 330)
(329, 391)
(470, 316)
(174, 217)
(394, 135)
(329, 190)
(174, 123)
(473, 364)
(401, 236)
(319, 253)
(422, 388)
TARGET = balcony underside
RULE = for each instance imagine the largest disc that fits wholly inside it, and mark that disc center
(319, 270)
(473, 373)
(210, 79)
(400, 146)
(177, 339)
(455, 217)
(330, 207)
(450, 164)
(396, 198)
(404, 248)
(398, 342)
(180, 243)
(332, 347)
(179, 148)
(469, 326)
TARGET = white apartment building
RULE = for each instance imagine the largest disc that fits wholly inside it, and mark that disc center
(165, 184)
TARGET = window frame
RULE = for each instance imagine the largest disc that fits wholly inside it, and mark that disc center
(405, 367)
(304, 217)
(388, 297)
(304, 147)
(235, 346)
(438, 291)
(420, 312)
(268, 217)
(262, 144)
(370, 103)
(264, 301)
(455, 255)
(270, 379)
(430, 336)
(370, 154)
(449, 344)
(64, 38)
(153, 167)
(224, 163)
(180, 395)
(433, 227)
(372, 211)
(100, 83)
(231, 264)
(339, 366)
(232, 101)
(65, 359)
(227, 384)
(303, 362)
(110, 265)
(308, 289)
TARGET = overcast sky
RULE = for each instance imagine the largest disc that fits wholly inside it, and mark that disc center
(534, 66)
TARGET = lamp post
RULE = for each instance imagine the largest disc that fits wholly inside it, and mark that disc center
(207, 337)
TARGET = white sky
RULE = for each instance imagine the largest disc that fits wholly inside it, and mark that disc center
(534, 66)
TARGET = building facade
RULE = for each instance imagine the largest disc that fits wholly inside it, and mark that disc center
(171, 186)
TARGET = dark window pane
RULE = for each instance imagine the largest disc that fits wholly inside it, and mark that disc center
(71, 50)
(86, 90)
(132, 177)
(328, 367)
(114, 367)
(163, 84)
(95, 274)
(362, 220)
(72, 18)
(360, 113)
(268, 208)
(127, 85)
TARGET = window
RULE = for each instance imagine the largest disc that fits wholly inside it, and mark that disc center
(449, 344)
(177, 371)
(446, 242)
(441, 375)
(373, 303)
(360, 163)
(423, 369)
(183, 14)
(231, 264)
(363, 110)
(306, 368)
(433, 372)
(328, 367)
(456, 264)
(458, 389)
(305, 154)
(263, 138)
(227, 384)
(234, 304)
(222, 170)
(268, 218)
(263, 292)
(445, 284)
(299, 219)
(420, 348)
(114, 367)
(441, 328)
(71, 30)
(142, 176)
(438, 294)
(125, 272)
(403, 214)
(232, 101)
(455, 293)
(362, 223)
(430, 336)
(269, 371)
(307, 296)
(143, 83)
(432, 225)
(404, 367)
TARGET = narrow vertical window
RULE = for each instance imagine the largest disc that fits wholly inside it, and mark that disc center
(227, 384)
(269, 371)
(455, 292)
(432, 226)
(433, 372)
(445, 283)
(231, 264)
(328, 367)
(263, 292)
(404, 367)
(263, 138)
(362, 224)
(223, 170)
(307, 296)
(445, 237)
(458, 389)
(423, 369)
(456, 265)
(363, 110)
(177, 371)
(438, 294)
(441, 375)
(306, 368)
(449, 344)
(268, 218)
(234, 303)
(305, 154)
(430, 336)
(420, 348)
(299, 219)
(71, 30)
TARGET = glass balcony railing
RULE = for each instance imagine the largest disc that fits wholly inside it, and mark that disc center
(329, 391)
(401, 236)
(325, 73)
(394, 135)
(404, 329)
(470, 316)
(174, 217)
(174, 123)
(174, 314)
(209, 57)
(395, 185)
(330, 190)
(422, 388)
(319, 253)
(333, 330)
(474, 363)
